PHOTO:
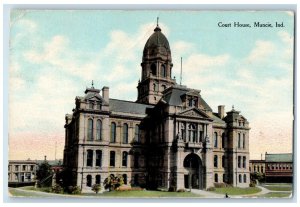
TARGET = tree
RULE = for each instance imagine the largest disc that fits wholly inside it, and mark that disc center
(96, 188)
(44, 174)
(112, 182)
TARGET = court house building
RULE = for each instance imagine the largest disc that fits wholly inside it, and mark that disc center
(168, 138)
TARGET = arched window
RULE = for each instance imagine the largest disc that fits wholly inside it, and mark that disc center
(112, 158)
(125, 179)
(89, 180)
(215, 161)
(244, 141)
(99, 128)
(192, 133)
(239, 140)
(89, 158)
(153, 69)
(216, 177)
(98, 158)
(113, 132)
(240, 178)
(90, 129)
(215, 140)
(137, 133)
(163, 71)
(124, 159)
(125, 133)
(98, 179)
(154, 87)
(245, 178)
(223, 140)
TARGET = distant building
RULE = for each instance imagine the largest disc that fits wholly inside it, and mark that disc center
(169, 138)
(21, 172)
(275, 167)
(279, 167)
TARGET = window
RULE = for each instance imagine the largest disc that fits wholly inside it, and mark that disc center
(239, 161)
(239, 140)
(215, 140)
(240, 178)
(262, 169)
(244, 141)
(91, 105)
(224, 178)
(153, 69)
(163, 71)
(223, 140)
(136, 179)
(244, 162)
(89, 180)
(23, 167)
(124, 159)
(192, 133)
(136, 160)
(163, 87)
(98, 179)
(90, 129)
(216, 177)
(195, 102)
(16, 167)
(215, 161)
(125, 179)
(190, 102)
(31, 167)
(99, 128)
(113, 132)
(137, 133)
(125, 134)
(254, 168)
(223, 161)
(98, 158)
(245, 178)
(112, 158)
(154, 87)
(89, 158)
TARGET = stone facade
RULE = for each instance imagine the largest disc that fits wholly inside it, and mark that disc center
(21, 171)
(168, 138)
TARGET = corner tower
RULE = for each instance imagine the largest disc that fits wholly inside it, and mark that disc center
(156, 68)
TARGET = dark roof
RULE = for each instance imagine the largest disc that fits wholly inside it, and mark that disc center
(284, 157)
(173, 97)
(157, 39)
(216, 119)
(116, 105)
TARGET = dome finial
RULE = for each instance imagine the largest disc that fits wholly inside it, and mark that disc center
(157, 21)
(157, 28)
(92, 83)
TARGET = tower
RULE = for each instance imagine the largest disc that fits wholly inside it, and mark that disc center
(157, 66)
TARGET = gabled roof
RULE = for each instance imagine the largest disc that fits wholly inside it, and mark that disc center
(216, 119)
(194, 112)
(116, 105)
(284, 157)
(174, 93)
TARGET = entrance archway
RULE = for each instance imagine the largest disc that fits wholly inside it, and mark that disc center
(193, 176)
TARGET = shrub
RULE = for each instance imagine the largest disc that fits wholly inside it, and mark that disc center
(57, 189)
(211, 189)
(172, 189)
(220, 185)
(96, 188)
(181, 190)
(113, 182)
(252, 184)
(73, 190)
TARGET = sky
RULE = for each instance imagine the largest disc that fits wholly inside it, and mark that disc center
(55, 54)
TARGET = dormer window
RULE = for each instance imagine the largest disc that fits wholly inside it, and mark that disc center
(91, 105)
(98, 106)
(190, 102)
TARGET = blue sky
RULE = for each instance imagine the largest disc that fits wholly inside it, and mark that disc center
(54, 55)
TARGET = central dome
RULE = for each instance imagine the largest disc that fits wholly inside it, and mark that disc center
(157, 39)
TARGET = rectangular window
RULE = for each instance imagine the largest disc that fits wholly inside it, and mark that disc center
(136, 160)
(239, 140)
(98, 158)
(89, 158)
(112, 158)
(239, 161)
(16, 167)
(244, 162)
(215, 161)
(24, 167)
(223, 161)
(244, 141)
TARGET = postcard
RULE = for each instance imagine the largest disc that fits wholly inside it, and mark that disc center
(151, 104)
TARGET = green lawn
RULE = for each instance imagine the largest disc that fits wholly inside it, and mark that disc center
(276, 195)
(18, 193)
(237, 191)
(278, 188)
(143, 194)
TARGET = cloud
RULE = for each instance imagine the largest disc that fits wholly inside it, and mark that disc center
(261, 52)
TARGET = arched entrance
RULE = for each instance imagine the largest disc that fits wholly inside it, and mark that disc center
(193, 175)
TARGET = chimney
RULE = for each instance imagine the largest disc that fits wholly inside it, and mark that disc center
(45, 158)
(221, 111)
(105, 94)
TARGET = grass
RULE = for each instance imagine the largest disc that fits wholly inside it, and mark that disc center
(276, 195)
(18, 193)
(237, 191)
(278, 188)
(143, 194)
